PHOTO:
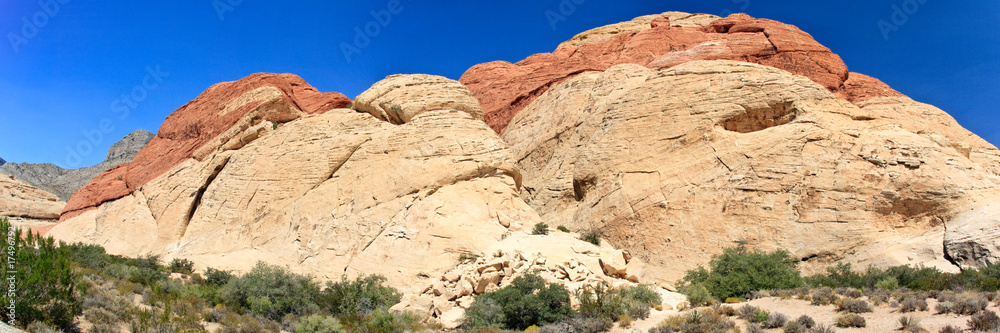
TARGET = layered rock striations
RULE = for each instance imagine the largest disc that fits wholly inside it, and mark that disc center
(657, 42)
(328, 191)
(672, 135)
(20, 199)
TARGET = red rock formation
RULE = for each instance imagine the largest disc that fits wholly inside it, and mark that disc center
(504, 89)
(859, 88)
(193, 125)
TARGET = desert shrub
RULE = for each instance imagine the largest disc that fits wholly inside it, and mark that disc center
(100, 316)
(352, 300)
(271, 292)
(563, 228)
(822, 329)
(726, 310)
(757, 294)
(592, 236)
(775, 320)
(909, 324)
(849, 292)
(850, 320)
(823, 296)
(612, 303)
(527, 301)
(625, 321)
(40, 327)
(384, 321)
(950, 329)
(578, 324)
(182, 266)
(806, 321)
(853, 305)
(944, 307)
(969, 303)
(794, 327)
(44, 283)
(754, 328)
(912, 304)
(218, 278)
(540, 229)
(697, 294)
(738, 271)
(984, 321)
(319, 324)
(752, 314)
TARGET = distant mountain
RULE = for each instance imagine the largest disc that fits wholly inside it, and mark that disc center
(64, 182)
(2, 162)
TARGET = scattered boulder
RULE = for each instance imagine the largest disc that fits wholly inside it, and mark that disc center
(399, 98)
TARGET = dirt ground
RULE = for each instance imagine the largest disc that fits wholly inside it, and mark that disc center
(882, 319)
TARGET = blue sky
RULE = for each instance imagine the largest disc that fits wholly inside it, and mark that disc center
(63, 76)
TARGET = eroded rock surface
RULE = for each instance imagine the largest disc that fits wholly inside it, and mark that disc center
(333, 192)
(20, 199)
(218, 119)
(656, 42)
(675, 165)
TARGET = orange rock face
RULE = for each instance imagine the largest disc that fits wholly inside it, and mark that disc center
(197, 123)
(504, 88)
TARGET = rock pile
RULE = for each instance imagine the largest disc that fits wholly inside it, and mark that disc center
(557, 258)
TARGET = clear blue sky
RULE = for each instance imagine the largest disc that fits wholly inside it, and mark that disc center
(58, 83)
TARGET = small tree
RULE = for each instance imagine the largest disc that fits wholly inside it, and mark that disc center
(737, 272)
(540, 229)
(42, 285)
(527, 301)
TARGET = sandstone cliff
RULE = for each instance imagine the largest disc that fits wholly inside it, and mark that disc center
(674, 135)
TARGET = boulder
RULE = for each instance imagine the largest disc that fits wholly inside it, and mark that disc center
(613, 262)
(398, 98)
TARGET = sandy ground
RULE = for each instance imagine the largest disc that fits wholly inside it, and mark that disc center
(882, 319)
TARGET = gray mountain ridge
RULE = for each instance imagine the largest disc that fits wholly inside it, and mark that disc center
(64, 182)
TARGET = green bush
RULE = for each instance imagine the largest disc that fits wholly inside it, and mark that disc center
(218, 278)
(592, 236)
(271, 292)
(356, 299)
(889, 284)
(563, 228)
(737, 272)
(43, 280)
(527, 301)
(540, 229)
(633, 301)
(319, 324)
(182, 266)
(697, 294)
